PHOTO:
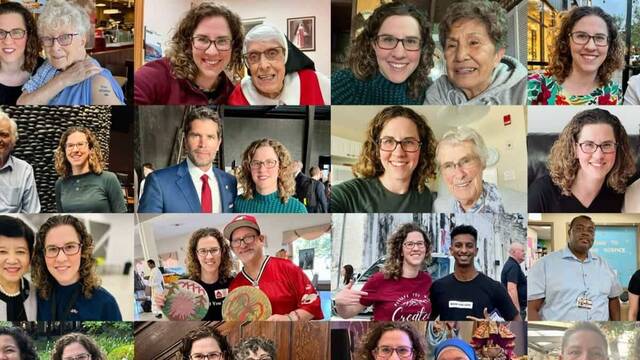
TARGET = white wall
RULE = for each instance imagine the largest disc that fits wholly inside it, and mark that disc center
(162, 16)
(540, 116)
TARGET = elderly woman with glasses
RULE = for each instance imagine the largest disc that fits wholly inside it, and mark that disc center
(589, 167)
(69, 76)
(268, 82)
(77, 346)
(392, 340)
(462, 157)
(395, 164)
(473, 35)
(267, 181)
(64, 271)
(584, 56)
(208, 41)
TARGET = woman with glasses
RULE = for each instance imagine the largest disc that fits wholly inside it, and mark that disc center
(400, 291)
(589, 167)
(207, 41)
(17, 298)
(20, 47)
(584, 56)
(209, 264)
(77, 346)
(84, 186)
(392, 340)
(205, 343)
(473, 35)
(395, 163)
(462, 158)
(267, 180)
(16, 344)
(64, 271)
(269, 82)
(69, 76)
(389, 61)
(254, 348)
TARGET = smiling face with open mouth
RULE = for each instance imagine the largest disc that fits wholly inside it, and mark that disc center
(12, 50)
(461, 169)
(209, 263)
(399, 164)
(64, 268)
(587, 58)
(14, 259)
(267, 75)
(211, 62)
(414, 255)
(61, 57)
(598, 164)
(77, 152)
(463, 249)
(265, 179)
(397, 64)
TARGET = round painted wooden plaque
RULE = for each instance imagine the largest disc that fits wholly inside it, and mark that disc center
(246, 303)
(185, 300)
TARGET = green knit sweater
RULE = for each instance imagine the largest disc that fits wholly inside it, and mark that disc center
(267, 204)
(346, 89)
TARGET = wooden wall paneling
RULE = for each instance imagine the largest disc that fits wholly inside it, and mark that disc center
(310, 340)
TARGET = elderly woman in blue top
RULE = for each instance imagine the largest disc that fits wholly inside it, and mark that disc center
(64, 271)
(267, 181)
(69, 76)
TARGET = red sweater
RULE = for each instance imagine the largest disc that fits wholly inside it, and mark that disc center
(155, 84)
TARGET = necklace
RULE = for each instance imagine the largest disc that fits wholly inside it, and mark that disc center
(2, 290)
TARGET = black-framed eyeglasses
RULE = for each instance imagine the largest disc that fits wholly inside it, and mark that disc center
(52, 251)
(247, 240)
(14, 33)
(271, 54)
(201, 42)
(268, 164)
(63, 40)
(390, 144)
(389, 42)
(204, 252)
(83, 356)
(589, 147)
(581, 38)
(215, 355)
(385, 352)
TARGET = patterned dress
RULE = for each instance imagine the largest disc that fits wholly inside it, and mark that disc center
(544, 89)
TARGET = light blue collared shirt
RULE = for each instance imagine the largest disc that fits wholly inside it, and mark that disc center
(560, 278)
(18, 192)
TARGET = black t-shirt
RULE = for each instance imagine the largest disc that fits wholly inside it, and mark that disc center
(217, 293)
(512, 272)
(634, 288)
(9, 94)
(545, 196)
(455, 300)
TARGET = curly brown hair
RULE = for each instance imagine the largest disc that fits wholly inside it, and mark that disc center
(244, 349)
(202, 333)
(563, 163)
(560, 59)
(96, 161)
(362, 56)
(286, 181)
(32, 48)
(369, 164)
(490, 13)
(41, 276)
(376, 329)
(392, 268)
(82, 339)
(180, 53)
(193, 264)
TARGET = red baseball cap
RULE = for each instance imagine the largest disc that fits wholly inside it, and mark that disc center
(238, 222)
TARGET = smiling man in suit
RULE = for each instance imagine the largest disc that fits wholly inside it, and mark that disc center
(194, 185)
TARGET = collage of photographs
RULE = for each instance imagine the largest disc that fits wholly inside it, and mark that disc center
(327, 179)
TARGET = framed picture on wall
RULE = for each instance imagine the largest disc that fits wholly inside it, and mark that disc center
(301, 31)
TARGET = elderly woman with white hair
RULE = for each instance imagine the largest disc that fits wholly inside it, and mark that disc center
(462, 156)
(269, 81)
(68, 76)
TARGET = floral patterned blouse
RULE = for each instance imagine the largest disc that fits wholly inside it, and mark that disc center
(544, 89)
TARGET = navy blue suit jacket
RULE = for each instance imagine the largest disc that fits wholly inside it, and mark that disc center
(170, 190)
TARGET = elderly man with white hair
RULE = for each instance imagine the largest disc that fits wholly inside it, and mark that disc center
(269, 81)
(462, 156)
(513, 278)
(17, 185)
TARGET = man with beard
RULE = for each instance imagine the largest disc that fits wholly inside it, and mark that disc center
(574, 284)
(194, 185)
(18, 192)
(467, 293)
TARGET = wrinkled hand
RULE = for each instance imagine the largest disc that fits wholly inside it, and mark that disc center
(78, 72)
(276, 317)
(484, 312)
(348, 296)
(159, 300)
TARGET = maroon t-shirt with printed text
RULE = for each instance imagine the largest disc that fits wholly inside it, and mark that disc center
(398, 300)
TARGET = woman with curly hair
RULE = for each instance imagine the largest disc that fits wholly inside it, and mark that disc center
(78, 347)
(586, 53)
(19, 58)
(473, 35)
(267, 180)
(389, 61)
(255, 347)
(16, 344)
(84, 186)
(400, 292)
(383, 339)
(208, 264)
(205, 343)
(208, 41)
(589, 167)
(64, 271)
(396, 161)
